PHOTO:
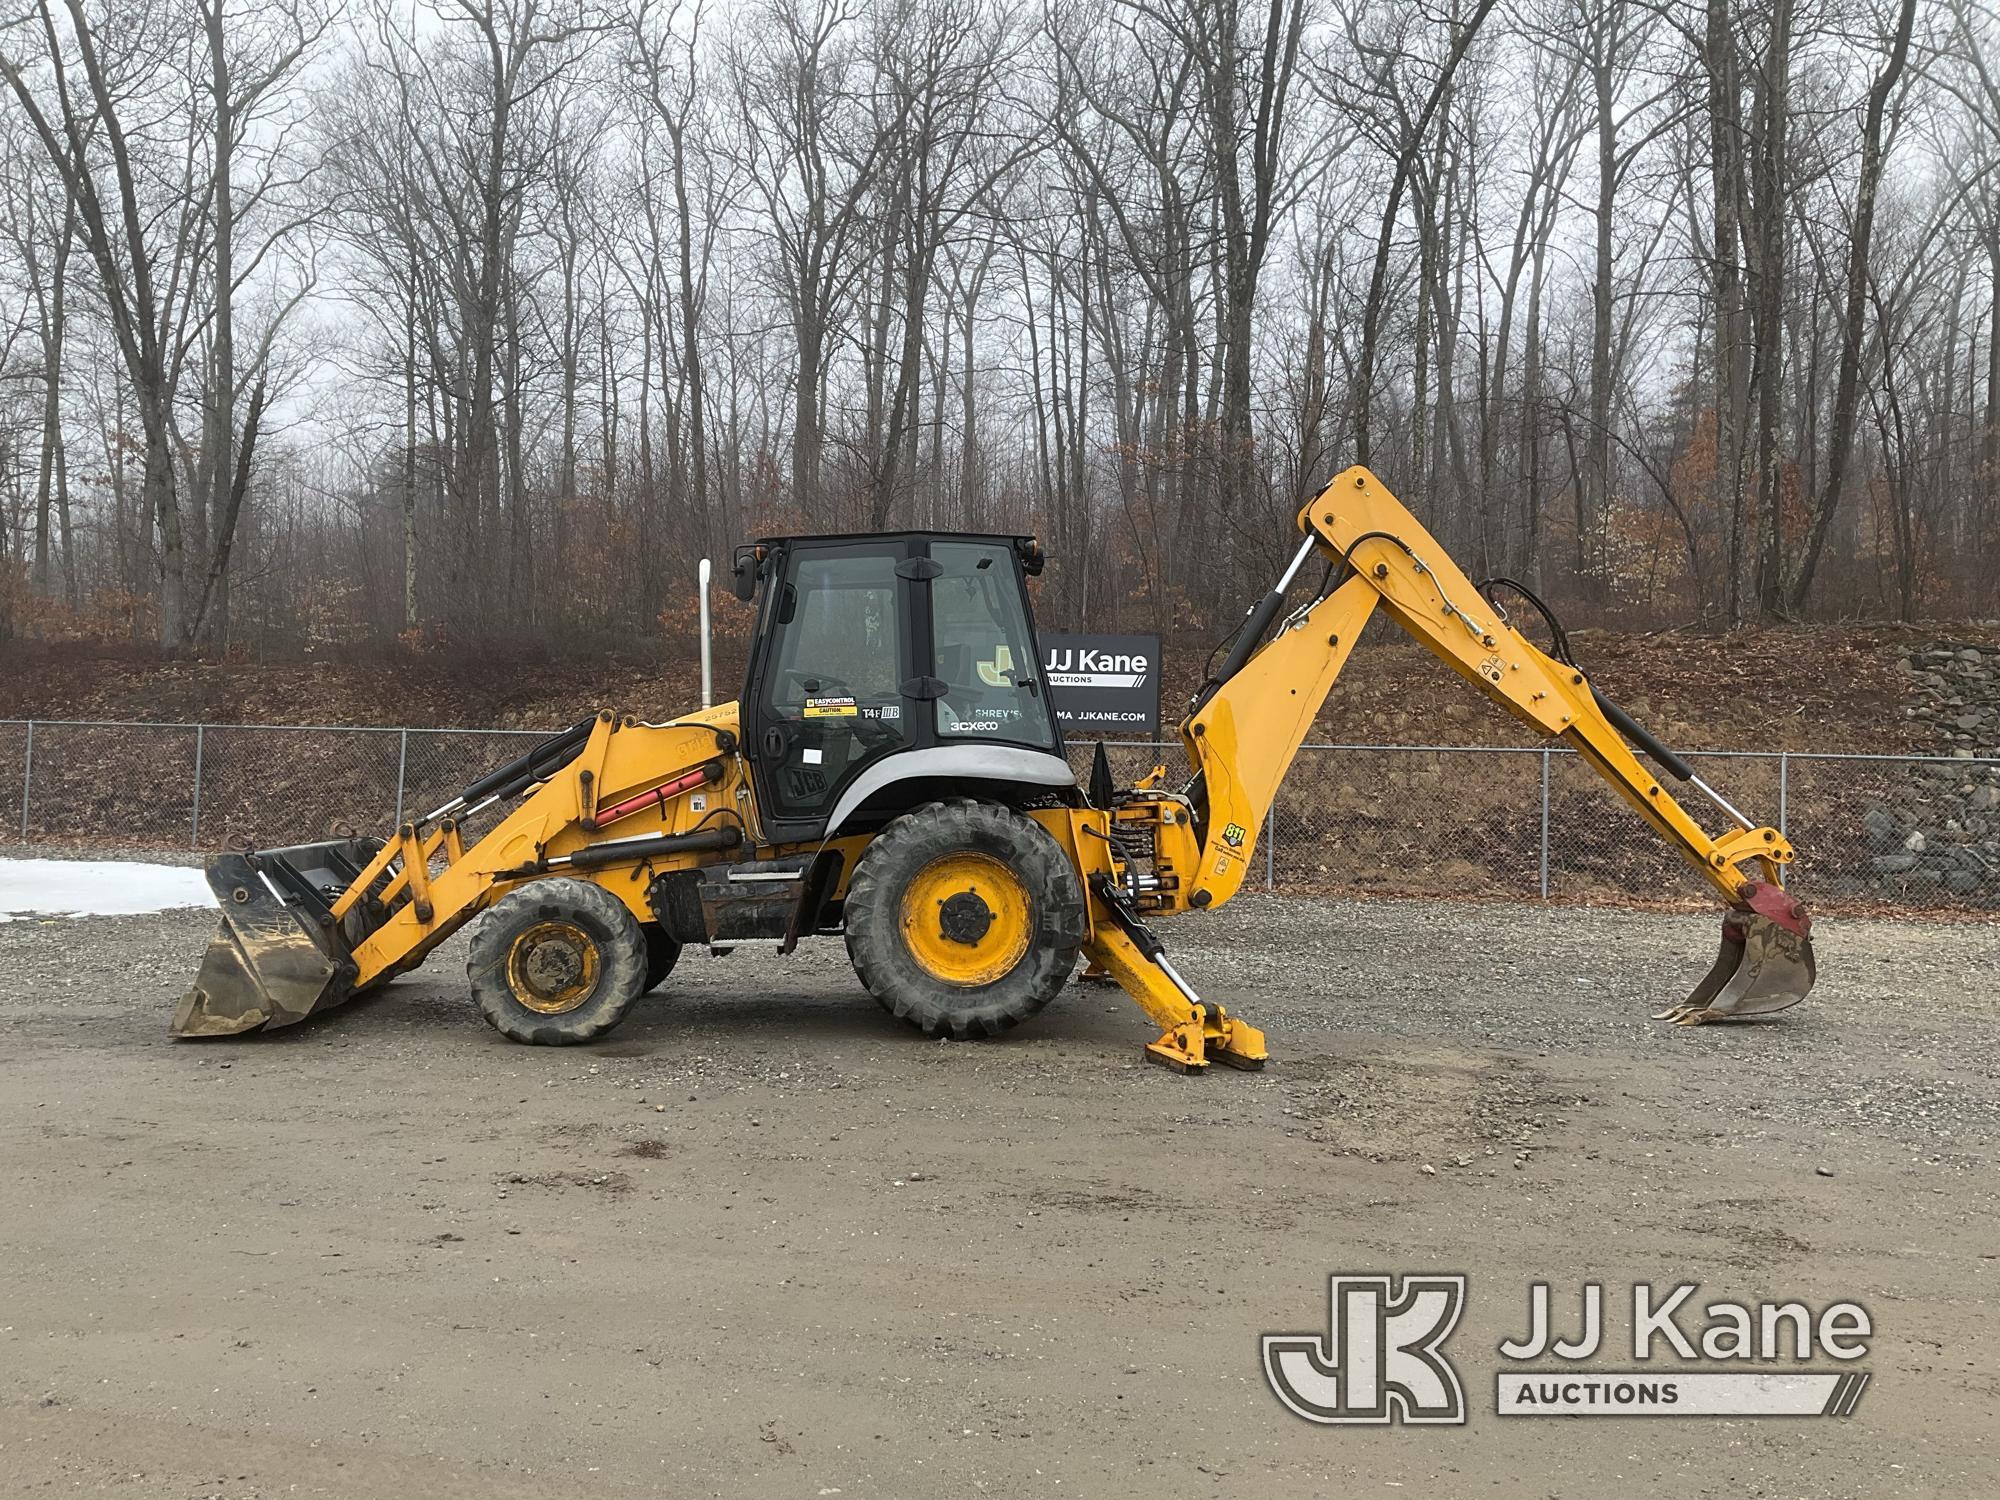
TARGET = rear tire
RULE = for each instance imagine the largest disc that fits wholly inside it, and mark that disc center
(557, 962)
(964, 918)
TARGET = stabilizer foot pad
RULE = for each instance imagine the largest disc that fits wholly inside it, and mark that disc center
(1240, 1061)
(1166, 1054)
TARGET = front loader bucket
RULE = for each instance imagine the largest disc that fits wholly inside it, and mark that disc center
(278, 956)
(1766, 963)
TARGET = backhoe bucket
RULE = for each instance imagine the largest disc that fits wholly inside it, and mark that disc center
(1765, 965)
(278, 955)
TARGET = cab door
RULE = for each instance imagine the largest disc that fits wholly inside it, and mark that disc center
(826, 694)
(984, 656)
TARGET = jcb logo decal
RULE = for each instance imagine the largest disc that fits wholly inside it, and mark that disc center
(1380, 1361)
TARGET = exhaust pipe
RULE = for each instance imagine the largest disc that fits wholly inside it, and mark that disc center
(702, 574)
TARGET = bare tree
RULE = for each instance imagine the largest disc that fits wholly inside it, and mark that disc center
(489, 317)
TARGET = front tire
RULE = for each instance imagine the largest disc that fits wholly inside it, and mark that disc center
(964, 918)
(557, 962)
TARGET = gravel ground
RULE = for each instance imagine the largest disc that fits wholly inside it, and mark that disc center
(763, 1242)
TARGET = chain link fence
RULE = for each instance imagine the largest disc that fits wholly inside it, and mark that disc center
(1881, 832)
(1908, 833)
(208, 786)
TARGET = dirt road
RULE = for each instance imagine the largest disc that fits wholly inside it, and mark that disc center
(766, 1243)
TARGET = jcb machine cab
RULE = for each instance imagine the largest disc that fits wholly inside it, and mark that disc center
(890, 670)
(895, 773)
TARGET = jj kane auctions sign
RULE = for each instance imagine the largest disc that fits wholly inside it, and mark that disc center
(1109, 684)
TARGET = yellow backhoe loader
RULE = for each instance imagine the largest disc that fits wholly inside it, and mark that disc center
(894, 773)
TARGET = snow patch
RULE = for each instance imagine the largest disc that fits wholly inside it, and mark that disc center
(96, 888)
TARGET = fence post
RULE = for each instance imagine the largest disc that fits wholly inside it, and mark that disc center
(1545, 823)
(1784, 789)
(194, 829)
(1271, 847)
(27, 778)
(402, 761)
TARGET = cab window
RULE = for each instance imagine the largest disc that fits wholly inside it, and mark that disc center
(833, 686)
(985, 652)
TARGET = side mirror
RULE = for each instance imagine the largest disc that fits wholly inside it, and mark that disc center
(743, 572)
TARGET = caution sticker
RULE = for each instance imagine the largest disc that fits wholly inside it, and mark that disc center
(831, 708)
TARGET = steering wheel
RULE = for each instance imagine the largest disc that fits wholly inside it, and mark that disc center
(875, 731)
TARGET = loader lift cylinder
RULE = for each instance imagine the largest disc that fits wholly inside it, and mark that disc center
(550, 756)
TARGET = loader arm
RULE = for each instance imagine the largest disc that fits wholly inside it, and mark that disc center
(1247, 725)
(606, 797)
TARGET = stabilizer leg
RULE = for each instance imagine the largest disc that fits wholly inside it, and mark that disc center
(1196, 1033)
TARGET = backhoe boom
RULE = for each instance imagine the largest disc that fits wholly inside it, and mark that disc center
(1247, 726)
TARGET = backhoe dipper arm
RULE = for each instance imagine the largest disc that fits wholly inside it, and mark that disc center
(1243, 734)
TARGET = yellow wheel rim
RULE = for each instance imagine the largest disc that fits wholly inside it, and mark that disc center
(966, 919)
(552, 967)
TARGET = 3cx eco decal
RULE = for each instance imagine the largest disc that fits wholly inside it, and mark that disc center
(1383, 1358)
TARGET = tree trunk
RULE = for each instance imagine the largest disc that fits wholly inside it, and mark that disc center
(697, 396)
(51, 488)
(1594, 494)
(410, 454)
(219, 442)
(1371, 317)
(1846, 401)
(1731, 384)
(1768, 324)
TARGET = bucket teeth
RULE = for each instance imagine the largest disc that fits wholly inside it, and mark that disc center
(1763, 967)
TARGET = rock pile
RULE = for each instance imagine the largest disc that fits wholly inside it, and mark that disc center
(1957, 692)
(1935, 832)
(1938, 834)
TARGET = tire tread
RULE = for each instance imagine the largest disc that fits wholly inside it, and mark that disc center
(561, 898)
(874, 902)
